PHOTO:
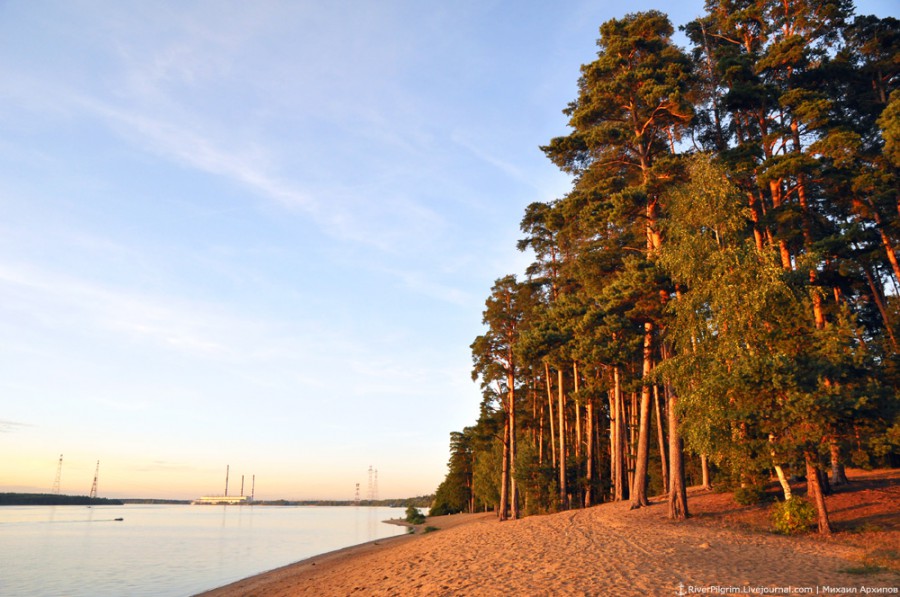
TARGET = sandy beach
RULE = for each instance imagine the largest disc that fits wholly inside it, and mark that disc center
(605, 550)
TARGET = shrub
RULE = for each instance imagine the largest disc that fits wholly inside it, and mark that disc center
(749, 495)
(793, 516)
(413, 516)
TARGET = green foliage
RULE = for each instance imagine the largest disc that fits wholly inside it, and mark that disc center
(750, 495)
(793, 516)
(757, 270)
(537, 482)
(413, 516)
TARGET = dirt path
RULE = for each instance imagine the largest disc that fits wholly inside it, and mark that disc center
(607, 550)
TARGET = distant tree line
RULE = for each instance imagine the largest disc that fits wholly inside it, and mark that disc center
(422, 501)
(53, 499)
(717, 292)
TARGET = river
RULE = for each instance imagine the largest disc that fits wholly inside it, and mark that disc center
(168, 550)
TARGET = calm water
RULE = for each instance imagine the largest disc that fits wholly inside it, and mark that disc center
(167, 550)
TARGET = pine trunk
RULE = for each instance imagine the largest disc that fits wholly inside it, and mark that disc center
(563, 492)
(504, 474)
(639, 485)
(661, 440)
(678, 505)
(814, 491)
(550, 411)
(577, 413)
(513, 489)
(889, 251)
(618, 433)
(589, 473)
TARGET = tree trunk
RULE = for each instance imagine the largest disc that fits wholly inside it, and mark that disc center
(613, 443)
(678, 505)
(639, 485)
(885, 240)
(814, 491)
(877, 295)
(704, 468)
(779, 472)
(504, 474)
(618, 433)
(838, 476)
(513, 489)
(589, 473)
(550, 410)
(563, 493)
(626, 470)
(577, 412)
(631, 420)
(661, 440)
(541, 435)
(782, 479)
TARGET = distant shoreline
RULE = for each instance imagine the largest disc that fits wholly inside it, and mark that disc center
(52, 499)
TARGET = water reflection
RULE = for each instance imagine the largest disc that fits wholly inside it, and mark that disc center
(167, 550)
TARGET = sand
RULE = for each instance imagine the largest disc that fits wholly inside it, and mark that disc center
(605, 550)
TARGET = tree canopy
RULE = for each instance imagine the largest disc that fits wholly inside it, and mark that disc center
(724, 265)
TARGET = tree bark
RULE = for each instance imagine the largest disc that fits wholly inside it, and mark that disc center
(783, 481)
(513, 489)
(577, 412)
(618, 455)
(563, 493)
(704, 468)
(661, 440)
(639, 485)
(678, 505)
(814, 491)
(589, 473)
(779, 471)
(504, 474)
(877, 295)
(838, 476)
(550, 410)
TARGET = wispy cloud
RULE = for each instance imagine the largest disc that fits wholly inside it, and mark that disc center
(488, 157)
(59, 300)
(421, 283)
(12, 426)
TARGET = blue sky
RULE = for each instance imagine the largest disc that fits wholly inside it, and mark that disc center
(261, 234)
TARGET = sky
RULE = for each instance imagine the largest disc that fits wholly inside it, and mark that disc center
(260, 234)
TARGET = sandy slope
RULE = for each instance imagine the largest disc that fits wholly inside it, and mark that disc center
(606, 550)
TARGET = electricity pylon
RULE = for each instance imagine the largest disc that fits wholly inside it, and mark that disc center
(55, 490)
(94, 486)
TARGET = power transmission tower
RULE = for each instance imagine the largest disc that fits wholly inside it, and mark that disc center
(55, 490)
(375, 492)
(94, 486)
(356, 496)
(370, 495)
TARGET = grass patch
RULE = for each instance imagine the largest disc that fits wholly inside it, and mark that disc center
(429, 529)
(864, 568)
